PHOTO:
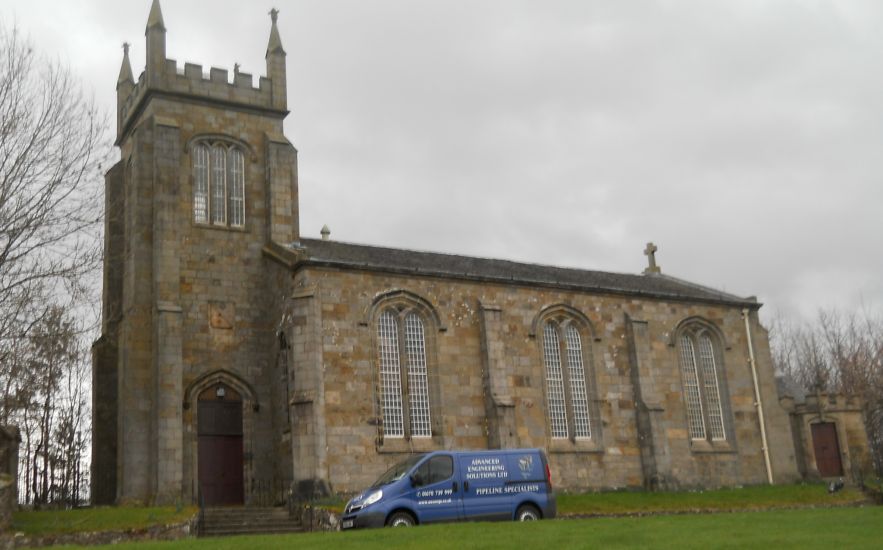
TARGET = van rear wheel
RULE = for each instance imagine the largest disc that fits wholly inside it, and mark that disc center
(527, 512)
(401, 519)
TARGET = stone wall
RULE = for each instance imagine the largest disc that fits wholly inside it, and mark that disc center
(193, 298)
(487, 359)
(174, 531)
(9, 441)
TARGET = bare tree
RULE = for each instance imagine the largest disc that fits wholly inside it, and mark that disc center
(837, 352)
(52, 147)
(51, 151)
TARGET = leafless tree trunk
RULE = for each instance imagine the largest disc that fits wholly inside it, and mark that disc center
(52, 145)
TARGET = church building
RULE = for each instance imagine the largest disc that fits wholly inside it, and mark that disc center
(237, 355)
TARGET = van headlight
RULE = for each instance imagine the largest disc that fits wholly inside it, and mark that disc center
(372, 498)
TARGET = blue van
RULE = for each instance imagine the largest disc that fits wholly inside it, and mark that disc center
(457, 485)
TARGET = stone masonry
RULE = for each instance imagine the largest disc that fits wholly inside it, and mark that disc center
(193, 310)
(490, 373)
(165, 275)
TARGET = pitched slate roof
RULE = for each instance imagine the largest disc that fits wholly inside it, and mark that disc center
(396, 260)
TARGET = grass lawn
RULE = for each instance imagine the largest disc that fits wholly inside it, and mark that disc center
(804, 529)
(96, 519)
(758, 497)
(746, 498)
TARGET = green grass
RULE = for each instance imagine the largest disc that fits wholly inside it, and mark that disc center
(746, 498)
(803, 529)
(50, 522)
(333, 504)
(590, 504)
(638, 502)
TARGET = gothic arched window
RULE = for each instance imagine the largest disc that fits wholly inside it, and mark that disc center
(403, 374)
(218, 184)
(568, 379)
(702, 379)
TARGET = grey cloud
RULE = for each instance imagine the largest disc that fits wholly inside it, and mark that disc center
(744, 137)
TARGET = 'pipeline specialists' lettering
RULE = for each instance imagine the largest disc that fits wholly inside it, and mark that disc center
(509, 489)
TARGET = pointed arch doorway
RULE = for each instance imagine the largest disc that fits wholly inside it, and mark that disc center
(220, 450)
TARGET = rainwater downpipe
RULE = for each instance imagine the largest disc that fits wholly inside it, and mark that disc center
(758, 403)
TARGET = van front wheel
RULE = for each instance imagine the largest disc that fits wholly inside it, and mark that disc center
(527, 512)
(401, 519)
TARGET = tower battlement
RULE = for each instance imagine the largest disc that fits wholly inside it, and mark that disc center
(163, 77)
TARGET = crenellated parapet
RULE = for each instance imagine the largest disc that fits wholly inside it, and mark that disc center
(830, 402)
(163, 77)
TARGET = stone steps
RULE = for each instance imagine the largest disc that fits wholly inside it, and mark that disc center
(247, 521)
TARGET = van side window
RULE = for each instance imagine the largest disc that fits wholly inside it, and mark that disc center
(434, 470)
(440, 468)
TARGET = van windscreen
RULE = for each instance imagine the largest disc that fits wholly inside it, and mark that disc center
(396, 472)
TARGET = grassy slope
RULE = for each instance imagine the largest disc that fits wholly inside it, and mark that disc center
(610, 503)
(96, 519)
(803, 529)
(747, 498)
(638, 502)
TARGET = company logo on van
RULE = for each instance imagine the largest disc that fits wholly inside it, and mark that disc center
(525, 464)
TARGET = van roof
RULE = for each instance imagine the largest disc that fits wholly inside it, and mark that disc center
(485, 451)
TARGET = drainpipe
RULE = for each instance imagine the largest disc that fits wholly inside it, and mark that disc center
(758, 403)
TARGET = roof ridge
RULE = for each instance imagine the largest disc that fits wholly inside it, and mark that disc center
(454, 254)
(703, 287)
(344, 254)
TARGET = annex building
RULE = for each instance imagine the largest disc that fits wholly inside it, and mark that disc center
(238, 356)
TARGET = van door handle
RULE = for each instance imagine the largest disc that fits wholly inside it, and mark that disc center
(455, 486)
(465, 485)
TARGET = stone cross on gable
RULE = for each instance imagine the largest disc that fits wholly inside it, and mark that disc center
(274, 14)
(650, 252)
(125, 48)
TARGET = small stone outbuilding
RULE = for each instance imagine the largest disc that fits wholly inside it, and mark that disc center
(830, 436)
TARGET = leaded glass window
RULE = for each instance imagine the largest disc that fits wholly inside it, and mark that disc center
(218, 185)
(567, 383)
(581, 427)
(702, 385)
(418, 383)
(695, 420)
(712, 391)
(554, 382)
(200, 184)
(390, 375)
(236, 183)
(404, 381)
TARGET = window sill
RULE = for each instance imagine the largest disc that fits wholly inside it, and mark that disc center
(702, 446)
(564, 446)
(399, 445)
(220, 227)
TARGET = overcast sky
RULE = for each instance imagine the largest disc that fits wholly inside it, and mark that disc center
(745, 138)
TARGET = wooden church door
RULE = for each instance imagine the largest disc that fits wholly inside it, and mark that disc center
(219, 427)
(827, 451)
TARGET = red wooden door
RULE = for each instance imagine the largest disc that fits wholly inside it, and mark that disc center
(220, 452)
(827, 451)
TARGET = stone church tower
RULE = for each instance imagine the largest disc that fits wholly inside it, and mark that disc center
(186, 294)
(239, 361)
